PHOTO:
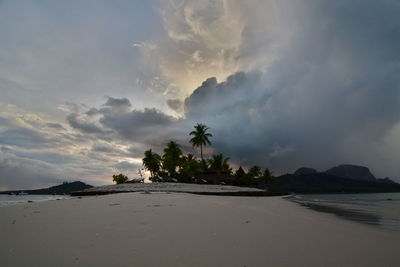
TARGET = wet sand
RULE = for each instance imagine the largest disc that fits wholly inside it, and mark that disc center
(179, 229)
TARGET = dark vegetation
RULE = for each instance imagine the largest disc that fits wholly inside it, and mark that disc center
(176, 166)
(120, 178)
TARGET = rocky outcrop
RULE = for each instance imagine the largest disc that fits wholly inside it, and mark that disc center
(340, 179)
(317, 183)
(352, 172)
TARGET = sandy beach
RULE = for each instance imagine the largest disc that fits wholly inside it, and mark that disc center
(179, 229)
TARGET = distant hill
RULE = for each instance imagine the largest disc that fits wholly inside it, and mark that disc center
(352, 172)
(304, 170)
(340, 179)
(65, 188)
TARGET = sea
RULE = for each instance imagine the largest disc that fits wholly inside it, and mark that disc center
(6, 200)
(380, 210)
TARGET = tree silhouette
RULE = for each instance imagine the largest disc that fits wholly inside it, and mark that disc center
(240, 172)
(120, 178)
(219, 164)
(151, 162)
(200, 138)
(255, 171)
(172, 158)
(190, 167)
(268, 177)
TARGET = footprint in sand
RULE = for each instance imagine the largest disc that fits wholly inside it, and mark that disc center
(154, 206)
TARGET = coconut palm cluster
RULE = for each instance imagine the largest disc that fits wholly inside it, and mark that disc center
(176, 166)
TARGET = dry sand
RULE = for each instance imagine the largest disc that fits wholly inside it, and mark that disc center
(172, 187)
(178, 229)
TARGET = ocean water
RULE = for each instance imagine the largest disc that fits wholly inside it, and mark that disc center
(380, 209)
(16, 199)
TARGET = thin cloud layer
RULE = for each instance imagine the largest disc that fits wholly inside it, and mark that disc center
(36, 152)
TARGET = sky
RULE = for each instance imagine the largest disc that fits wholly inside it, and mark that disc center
(87, 86)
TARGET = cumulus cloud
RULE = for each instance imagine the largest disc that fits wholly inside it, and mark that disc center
(137, 123)
(116, 104)
(83, 125)
(312, 83)
(329, 96)
(215, 38)
(35, 152)
(117, 121)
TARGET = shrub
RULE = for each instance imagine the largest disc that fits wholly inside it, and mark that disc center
(120, 178)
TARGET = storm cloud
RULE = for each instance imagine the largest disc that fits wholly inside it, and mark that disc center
(281, 84)
(319, 84)
(331, 95)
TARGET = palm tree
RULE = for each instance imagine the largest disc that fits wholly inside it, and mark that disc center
(219, 164)
(151, 162)
(172, 158)
(240, 172)
(200, 138)
(190, 167)
(255, 171)
(268, 176)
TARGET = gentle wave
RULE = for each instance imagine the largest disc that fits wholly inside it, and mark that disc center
(380, 209)
(6, 200)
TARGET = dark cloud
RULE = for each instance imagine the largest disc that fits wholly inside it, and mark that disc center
(138, 124)
(117, 102)
(126, 166)
(82, 125)
(114, 105)
(104, 148)
(110, 149)
(92, 112)
(55, 126)
(213, 97)
(175, 104)
(330, 96)
(136, 151)
(113, 124)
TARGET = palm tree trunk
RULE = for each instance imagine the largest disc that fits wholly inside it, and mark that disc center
(202, 159)
(201, 152)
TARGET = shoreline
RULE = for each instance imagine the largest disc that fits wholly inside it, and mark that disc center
(170, 229)
(375, 210)
(343, 213)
